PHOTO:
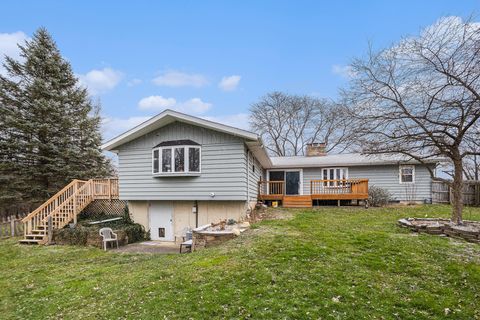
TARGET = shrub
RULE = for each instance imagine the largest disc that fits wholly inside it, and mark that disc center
(378, 197)
(72, 236)
(87, 234)
(135, 232)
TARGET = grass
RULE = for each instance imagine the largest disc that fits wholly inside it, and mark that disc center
(330, 263)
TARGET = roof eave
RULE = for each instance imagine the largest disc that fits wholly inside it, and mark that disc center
(149, 126)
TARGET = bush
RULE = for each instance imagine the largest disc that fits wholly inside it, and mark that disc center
(72, 236)
(87, 234)
(378, 197)
(135, 232)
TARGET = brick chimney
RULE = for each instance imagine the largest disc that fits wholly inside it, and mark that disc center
(316, 149)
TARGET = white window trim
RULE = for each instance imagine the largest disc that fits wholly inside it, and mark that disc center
(185, 161)
(400, 174)
(335, 172)
(285, 177)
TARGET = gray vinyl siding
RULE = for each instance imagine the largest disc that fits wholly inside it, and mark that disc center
(383, 176)
(388, 177)
(308, 175)
(254, 177)
(223, 167)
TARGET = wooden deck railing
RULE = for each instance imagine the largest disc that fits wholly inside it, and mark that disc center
(339, 187)
(66, 204)
(273, 188)
(319, 189)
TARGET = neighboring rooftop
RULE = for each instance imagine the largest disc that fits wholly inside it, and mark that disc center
(346, 159)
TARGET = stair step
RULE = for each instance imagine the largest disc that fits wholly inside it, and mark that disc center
(297, 205)
(30, 241)
(37, 231)
(297, 202)
(34, 236)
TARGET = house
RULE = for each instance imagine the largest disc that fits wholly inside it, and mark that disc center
(178, 171)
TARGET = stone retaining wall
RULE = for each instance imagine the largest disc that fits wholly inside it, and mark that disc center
(470, 230)
(204, 236)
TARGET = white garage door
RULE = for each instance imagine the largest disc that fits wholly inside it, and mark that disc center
(161, 217)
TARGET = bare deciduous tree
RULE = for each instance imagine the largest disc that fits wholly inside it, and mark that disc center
(287, 123)
(421, 98)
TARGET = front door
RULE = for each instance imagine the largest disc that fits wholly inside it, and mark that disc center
(292, 182)
(161, 217)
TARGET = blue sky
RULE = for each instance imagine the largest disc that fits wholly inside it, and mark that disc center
(211, 58)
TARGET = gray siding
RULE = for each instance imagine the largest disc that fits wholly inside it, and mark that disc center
(308, 175)
(253, 177)
(384, 176)
(223, 167)
(388, 177)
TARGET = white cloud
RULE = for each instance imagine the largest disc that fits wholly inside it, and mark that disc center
(9, 46)
(194, 105)
(100, 81)
(229, 83)
(179, 79)
(159, 103)
(156, 103)
(134, 82)
(112, 127)
(239, 120)
(343, 71)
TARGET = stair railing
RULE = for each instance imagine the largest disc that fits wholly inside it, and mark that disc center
(66, 204)
(34, 219)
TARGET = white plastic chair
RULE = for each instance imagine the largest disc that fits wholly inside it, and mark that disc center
(108, 236)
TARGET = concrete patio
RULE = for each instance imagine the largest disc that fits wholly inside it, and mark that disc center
(157, 247)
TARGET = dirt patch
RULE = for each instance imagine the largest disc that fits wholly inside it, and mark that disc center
(274, 214)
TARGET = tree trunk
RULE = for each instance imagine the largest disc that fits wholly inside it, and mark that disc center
(457, 194)
(475, 162)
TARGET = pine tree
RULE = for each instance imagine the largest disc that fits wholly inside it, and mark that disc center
(49, 125)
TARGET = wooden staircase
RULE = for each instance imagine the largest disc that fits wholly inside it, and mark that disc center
(297, 201)
(65, 206)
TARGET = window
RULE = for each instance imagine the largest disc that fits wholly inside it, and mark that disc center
(194, 159)
(334, 174)
(155, 160)
(407, 174)
(161, 232)
(176, 160)
(166, 160)
(179, 159)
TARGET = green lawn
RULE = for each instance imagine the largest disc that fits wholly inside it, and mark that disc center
(331, 263)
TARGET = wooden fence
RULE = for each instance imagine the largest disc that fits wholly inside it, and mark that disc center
(441, 193)
(11, 228)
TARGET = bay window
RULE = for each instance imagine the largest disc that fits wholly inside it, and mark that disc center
(176, 159)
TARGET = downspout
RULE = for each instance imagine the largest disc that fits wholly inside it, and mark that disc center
(196, 213)
(248, 178)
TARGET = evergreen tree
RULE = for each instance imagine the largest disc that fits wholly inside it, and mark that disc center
(49, 126)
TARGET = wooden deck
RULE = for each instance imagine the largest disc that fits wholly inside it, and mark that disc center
(348, 189)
